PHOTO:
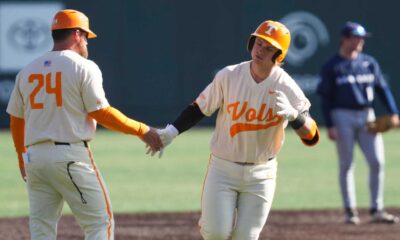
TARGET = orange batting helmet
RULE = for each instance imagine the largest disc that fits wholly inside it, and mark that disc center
(275, 33)
(70, 18)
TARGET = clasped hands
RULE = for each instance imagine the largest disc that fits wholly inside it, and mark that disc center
(166, 136)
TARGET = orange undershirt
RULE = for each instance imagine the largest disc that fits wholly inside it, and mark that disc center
(17, 126)
(115, 120)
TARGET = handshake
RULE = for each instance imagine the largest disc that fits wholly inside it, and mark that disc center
(166, 136)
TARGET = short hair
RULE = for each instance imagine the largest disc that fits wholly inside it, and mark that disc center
(60, 35)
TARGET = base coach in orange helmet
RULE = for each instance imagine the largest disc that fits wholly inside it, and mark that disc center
(255, 101)
(54, 107)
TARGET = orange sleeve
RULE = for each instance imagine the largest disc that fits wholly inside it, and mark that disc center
(115, 120)
(17, 126)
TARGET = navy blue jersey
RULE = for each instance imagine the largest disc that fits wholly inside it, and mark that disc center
(352, 84)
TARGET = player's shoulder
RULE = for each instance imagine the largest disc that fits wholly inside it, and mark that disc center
(366, 57)
(281, 77)
(234, 69)
(278, 70)
(280, 74)
(332, 61)
(237, 66)
(78, 59)
(81, 63)
(35, 61)
(284, 82)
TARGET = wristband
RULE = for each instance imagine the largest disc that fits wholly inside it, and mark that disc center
(298, 122)
(171, 130)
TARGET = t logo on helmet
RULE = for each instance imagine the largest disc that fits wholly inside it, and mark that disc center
(271, 28)
(275, 33)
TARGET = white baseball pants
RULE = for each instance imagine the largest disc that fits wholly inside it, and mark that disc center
(58, 173)
(236, 199)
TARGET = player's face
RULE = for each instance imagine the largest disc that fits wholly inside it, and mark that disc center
(353, 43)
(263, 52)
(83, 50)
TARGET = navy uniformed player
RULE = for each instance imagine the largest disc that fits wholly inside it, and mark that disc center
(349, 82)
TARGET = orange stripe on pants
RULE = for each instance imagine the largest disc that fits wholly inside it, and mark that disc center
(104, 192)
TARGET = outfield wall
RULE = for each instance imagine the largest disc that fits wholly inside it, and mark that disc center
(157, 55)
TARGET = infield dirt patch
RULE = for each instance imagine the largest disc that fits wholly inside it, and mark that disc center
(281, 225)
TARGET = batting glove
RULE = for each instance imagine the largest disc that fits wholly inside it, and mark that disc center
(168, 134)
(285, 109)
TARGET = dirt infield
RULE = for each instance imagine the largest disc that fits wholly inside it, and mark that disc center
(281, 225)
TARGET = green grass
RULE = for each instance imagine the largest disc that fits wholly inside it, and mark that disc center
(307, 177)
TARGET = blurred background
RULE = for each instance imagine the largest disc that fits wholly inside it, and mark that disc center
(157, 55)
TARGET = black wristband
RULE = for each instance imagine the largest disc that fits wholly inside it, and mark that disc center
(188, 118)
(298, 122)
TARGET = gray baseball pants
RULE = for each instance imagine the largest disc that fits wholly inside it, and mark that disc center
(351, 129)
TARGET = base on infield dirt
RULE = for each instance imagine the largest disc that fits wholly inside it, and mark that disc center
(282, 225)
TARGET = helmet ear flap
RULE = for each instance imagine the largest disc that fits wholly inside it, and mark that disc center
(276, 55)
(250, 43)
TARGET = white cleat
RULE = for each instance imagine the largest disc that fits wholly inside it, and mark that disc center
(354, 220)
(384, 217)
(352, 217)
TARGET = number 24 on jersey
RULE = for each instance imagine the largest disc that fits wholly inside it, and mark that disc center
(44, 81)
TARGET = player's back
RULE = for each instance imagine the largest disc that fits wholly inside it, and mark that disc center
(53, 89)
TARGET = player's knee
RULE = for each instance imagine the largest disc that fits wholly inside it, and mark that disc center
(41, 228)
(99, 230)
(346, 166)
(215, 234)
(237, 235)
(376, 166)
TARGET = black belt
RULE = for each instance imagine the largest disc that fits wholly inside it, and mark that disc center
(251, 163)
(85, 143)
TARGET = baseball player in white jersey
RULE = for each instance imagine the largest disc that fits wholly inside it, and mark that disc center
(255, 102)
(54, 107)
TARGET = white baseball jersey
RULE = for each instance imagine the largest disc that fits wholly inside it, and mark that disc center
(54, 93)
(247, 126)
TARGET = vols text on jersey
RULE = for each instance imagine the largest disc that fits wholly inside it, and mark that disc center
(246, 118)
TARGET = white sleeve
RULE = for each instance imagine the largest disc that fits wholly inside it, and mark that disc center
(16, 104)
(93, 95)
(211, 98)
(296, 96)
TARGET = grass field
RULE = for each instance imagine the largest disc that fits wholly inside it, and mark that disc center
(307, 177)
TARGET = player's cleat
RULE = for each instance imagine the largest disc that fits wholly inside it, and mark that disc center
(352, 217)
(355, 220)
(384, 217)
